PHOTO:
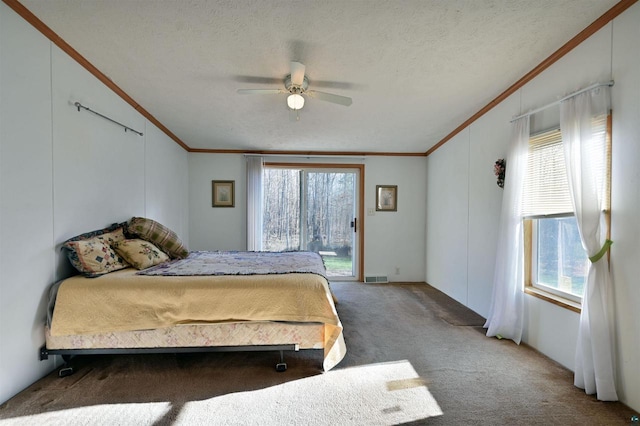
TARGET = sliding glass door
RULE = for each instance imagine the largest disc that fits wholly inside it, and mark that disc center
(314, 209)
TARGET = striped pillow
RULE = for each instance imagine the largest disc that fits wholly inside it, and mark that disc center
(164, 238)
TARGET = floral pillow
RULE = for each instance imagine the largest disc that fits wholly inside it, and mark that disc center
(94, 257)
(140, 254)
(164, 238)
(91, 253)
(112, 237)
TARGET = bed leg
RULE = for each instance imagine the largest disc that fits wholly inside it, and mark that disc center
(281, 366)
(66, 369)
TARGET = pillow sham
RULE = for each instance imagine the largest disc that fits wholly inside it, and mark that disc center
(91, 253)
(161, 236)
(94, 257)
(139, 253)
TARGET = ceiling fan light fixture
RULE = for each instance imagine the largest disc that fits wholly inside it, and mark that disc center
(295, 101)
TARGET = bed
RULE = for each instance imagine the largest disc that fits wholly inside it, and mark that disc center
(201, 301)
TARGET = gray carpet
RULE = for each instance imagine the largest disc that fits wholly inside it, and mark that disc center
(414, 356)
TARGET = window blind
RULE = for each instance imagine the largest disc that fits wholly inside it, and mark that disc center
(546, 190)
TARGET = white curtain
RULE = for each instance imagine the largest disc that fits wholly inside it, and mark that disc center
(255, 168)
(506, 312)
(585, 154)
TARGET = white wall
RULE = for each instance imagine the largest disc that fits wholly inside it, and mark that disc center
(447, 221)
(463, 208)
(62, 173)
(625, 196)
(489, 138)
(26, 204)
(392, 239)
(396, 239)
(217, 228)
(98, 174)
(461, 182)
(166, 171)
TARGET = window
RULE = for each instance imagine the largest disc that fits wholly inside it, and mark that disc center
(559, 263)
(556, 264)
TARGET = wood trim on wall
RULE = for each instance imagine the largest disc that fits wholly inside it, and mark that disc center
(603, 20)
(551, 298)
(310, 153)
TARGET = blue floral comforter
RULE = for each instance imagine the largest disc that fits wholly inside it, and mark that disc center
(241, 263)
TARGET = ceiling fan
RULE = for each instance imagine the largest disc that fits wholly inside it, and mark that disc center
(296, 84)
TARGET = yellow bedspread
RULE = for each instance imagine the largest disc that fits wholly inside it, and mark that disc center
(122, 301)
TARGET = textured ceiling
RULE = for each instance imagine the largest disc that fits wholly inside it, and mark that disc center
(415, 69)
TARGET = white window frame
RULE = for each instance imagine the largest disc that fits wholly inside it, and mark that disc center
(534, 263)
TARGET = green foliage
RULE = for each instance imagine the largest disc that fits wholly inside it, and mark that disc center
(338, 266)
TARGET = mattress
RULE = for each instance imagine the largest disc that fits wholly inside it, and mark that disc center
(305, 335)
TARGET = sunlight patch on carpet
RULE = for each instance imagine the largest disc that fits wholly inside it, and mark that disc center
(377, 394)
(148, 413)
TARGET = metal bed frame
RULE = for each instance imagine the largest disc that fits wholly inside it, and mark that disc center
(67, 354)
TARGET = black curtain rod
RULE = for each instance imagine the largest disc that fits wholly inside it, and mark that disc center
(79, 105)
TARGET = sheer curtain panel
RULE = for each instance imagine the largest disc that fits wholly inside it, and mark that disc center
(506, 313)
(255, 168)
(585, 150)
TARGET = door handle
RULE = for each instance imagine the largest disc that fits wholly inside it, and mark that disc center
(354, 224)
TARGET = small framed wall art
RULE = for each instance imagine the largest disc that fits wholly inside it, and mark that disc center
(387, 198)
(223, 193)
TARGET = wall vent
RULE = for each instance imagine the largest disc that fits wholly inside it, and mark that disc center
(376, 279)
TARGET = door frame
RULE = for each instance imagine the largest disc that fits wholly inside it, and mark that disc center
(360, 194)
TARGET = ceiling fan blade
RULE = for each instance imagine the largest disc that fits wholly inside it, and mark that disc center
(297, 73)
(260, 91)
(329, 97)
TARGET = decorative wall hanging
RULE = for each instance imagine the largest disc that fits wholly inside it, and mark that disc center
(499, 169)
(223, 193)
(387, 198)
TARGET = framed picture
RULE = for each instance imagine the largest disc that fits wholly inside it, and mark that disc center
(223, 193)
(387, 198)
